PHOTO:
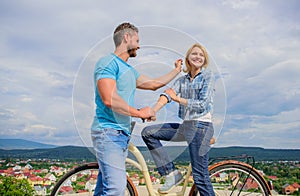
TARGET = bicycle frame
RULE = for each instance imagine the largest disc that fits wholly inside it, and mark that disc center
(242, 171)
(142, 166)
(218, 164)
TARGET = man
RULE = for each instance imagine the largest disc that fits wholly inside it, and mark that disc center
(115, 84)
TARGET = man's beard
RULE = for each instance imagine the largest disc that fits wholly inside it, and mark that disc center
(132, 52)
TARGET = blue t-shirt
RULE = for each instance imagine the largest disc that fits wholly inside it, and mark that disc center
(111, 66)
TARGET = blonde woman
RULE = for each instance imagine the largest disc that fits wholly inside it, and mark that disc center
(194, 94)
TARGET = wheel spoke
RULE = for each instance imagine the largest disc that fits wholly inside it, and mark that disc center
(81, 181)
(235, 179)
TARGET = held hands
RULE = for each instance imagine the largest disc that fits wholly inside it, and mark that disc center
(147, 113)
(153, 118)
(178, 65)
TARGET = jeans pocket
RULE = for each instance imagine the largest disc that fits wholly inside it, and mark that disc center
(95, 135)
(117, 137)
(113, 132)
(113, 135)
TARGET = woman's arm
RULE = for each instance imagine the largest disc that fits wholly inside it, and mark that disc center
(205, 93)
(175, 97)
(161, 102)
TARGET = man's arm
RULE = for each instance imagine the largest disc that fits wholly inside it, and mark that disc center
(107, 90)
(144, 82)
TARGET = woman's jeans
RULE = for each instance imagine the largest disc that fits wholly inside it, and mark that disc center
(111, 147)
(197, 134)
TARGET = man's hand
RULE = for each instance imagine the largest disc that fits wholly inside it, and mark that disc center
(178, 64)
(153, 118)
(146, 113)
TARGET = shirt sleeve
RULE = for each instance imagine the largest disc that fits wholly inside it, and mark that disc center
(205, 93)
(136, 73)
(176, 85)
(106, 69)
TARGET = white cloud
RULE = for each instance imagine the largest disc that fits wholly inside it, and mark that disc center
(240, 4)
(277, 131)
(255, 45)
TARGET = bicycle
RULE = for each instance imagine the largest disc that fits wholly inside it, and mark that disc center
(229, 176)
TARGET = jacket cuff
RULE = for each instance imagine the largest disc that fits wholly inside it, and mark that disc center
(167, 96)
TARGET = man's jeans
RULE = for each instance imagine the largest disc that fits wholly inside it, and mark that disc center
(111, 147)
(197, 134)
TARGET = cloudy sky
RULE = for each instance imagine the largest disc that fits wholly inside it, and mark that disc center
(48, 50)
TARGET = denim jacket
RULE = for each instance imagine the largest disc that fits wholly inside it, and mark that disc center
(199, 93)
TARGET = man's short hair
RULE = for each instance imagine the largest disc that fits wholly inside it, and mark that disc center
(121, 29)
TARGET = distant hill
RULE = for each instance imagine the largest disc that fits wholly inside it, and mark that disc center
(61, 153)
(9, 144)
(179, 153)
(260, 154)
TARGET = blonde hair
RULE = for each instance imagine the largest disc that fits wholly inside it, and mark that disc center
(187, 64)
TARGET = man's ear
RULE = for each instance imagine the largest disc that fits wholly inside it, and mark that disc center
(126, 37)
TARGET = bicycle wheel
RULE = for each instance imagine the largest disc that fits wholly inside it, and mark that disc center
(82, 181)
(235, 178)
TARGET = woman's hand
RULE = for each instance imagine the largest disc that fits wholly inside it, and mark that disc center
(172, 94)
(178, 65)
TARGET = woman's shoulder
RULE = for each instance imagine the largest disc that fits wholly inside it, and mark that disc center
(207, 72)
(182, 78)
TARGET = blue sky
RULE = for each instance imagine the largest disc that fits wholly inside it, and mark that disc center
(48, 49)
